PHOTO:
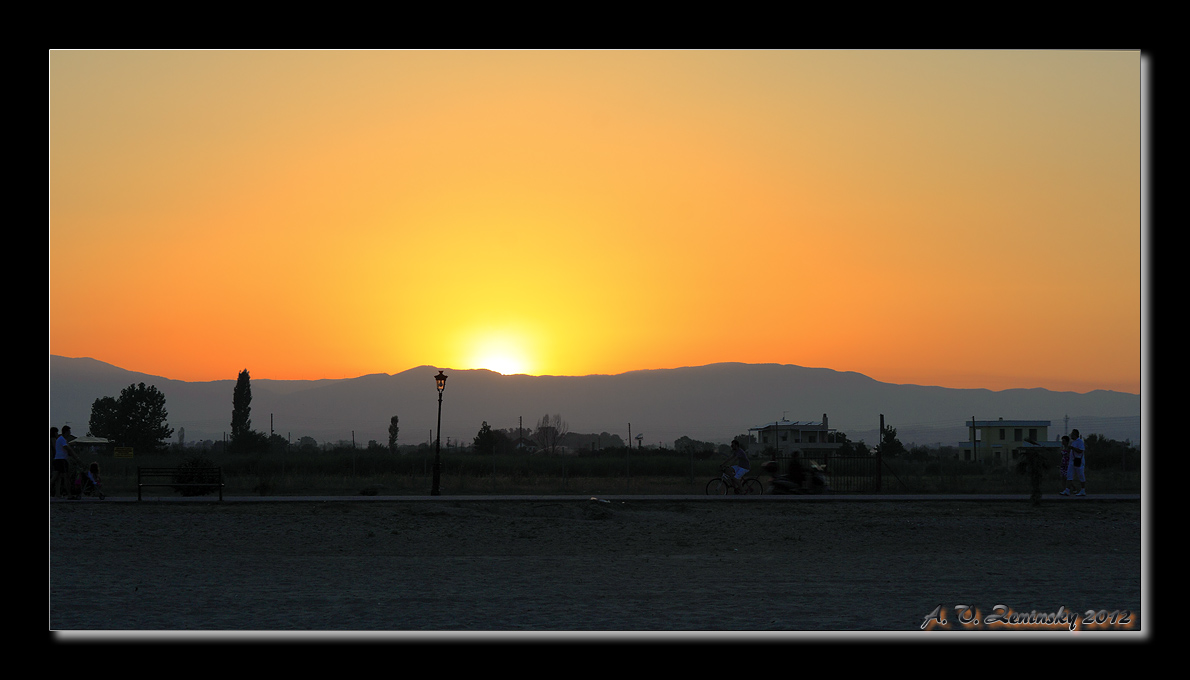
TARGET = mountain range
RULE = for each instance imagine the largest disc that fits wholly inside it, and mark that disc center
(710, 403)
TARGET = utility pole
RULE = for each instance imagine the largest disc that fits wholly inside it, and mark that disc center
(880, 457)
(974, 439)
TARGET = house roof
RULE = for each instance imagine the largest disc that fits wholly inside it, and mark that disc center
(1042, 445)
(1008, 423)
(966, 444)
(792, 425)
(89, 440)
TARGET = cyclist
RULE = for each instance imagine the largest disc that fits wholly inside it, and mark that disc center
(740, 466)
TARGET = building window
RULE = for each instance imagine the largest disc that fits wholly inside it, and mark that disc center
(1033, 433)
(811, 438)
(1016, 435)
(1001, 434)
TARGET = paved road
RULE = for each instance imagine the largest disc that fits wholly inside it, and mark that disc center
(836, 498)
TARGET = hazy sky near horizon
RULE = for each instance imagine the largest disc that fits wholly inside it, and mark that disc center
(953, 218)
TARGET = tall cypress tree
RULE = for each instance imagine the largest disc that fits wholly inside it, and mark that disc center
(393, 430)
(241, 412)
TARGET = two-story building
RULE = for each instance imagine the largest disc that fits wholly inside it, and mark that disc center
(789, 436)
(1000, 441)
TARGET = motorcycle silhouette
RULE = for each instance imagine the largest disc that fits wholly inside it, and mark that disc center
(803, 477)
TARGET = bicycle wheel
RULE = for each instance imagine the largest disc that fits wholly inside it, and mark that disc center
(717, 487)
(753, 487)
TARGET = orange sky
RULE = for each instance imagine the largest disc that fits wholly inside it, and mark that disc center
(964, 219)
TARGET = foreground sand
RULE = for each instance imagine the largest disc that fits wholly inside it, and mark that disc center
(583, 565)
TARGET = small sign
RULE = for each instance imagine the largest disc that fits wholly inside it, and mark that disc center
(123, 452)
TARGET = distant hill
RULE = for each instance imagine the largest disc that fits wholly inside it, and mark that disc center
(709, 403)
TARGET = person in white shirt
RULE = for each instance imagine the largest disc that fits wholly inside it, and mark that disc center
(1078, 465)
(60, 465)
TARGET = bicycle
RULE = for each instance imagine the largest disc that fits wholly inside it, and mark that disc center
(721, 485)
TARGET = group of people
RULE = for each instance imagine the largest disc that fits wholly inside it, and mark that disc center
(1074, 463)
(61, 455)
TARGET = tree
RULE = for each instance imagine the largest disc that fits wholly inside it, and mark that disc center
(890, 446)
(919, 452)
(1106, 453)
(490, 441)
(105, 418)
(693, 447)
(277, 443)
(137, 418)
(393, 430)
(550, 432)
(243, 439)
(847, 447)
(241, 406)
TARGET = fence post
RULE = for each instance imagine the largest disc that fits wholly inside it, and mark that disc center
(879, 469)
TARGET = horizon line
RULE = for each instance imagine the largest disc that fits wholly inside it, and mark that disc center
(589, 375)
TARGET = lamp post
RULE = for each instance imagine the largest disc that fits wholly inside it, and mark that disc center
(441, 380)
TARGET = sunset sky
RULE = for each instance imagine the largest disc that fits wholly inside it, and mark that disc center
(963, 219)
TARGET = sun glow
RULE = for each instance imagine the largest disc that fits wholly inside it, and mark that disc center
(503, 365)
(503, 353)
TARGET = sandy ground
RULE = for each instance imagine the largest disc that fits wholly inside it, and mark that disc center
(702, 565)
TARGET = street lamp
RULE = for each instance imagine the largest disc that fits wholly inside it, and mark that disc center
(440, 379)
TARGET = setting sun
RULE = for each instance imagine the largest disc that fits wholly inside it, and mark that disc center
(501, 352)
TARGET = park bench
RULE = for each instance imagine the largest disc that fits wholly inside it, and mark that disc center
(174, 477)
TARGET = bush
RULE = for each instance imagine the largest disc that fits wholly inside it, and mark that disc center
(192, 472)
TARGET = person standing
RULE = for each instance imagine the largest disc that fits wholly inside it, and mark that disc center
(53, 452)
(59, 484)
(1065, 464)
(1078, 465)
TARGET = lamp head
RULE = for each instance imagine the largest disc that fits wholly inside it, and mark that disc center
(441, 380)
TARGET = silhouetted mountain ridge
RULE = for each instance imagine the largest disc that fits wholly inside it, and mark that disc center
(710, 403)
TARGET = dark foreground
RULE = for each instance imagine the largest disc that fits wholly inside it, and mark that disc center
(592, 565)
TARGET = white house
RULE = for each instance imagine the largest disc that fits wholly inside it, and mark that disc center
(788, 436)
(1000, 441)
